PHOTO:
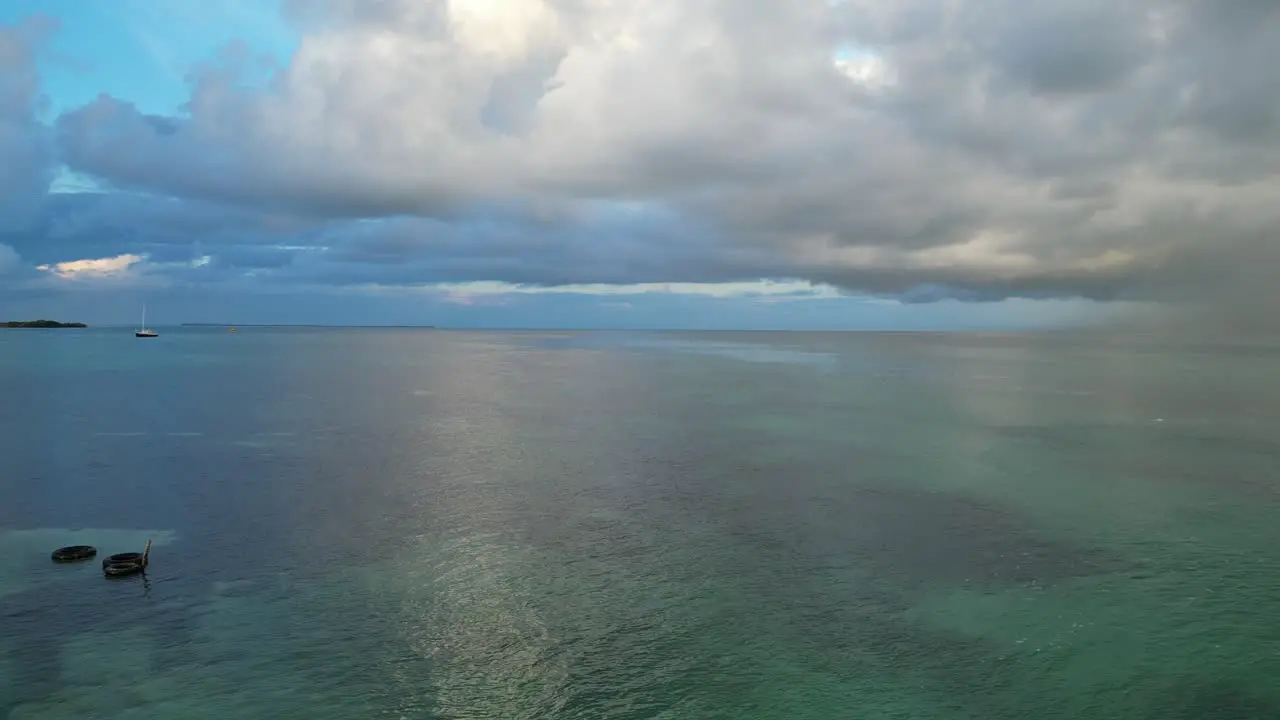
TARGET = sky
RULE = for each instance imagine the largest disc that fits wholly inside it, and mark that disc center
(811, 164)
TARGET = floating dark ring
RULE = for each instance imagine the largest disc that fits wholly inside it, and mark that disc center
(74, 553)
(122, 558)
(124, 568)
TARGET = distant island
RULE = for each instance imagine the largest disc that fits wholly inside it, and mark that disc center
(41, 324)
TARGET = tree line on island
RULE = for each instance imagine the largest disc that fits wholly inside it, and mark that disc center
(41, 324)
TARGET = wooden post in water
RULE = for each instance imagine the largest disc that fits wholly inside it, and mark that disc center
(146, 553)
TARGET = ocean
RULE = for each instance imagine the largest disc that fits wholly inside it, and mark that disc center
(398, 523)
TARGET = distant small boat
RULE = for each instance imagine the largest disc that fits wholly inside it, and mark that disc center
(231, 330)
(143, 332)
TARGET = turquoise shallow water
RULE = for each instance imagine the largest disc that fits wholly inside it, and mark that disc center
(429, 524)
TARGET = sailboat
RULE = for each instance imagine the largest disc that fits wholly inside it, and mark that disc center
(143, 332)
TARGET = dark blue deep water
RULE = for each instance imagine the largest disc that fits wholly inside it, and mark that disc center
(431, 524)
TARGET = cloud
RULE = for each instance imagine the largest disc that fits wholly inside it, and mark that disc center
(922, 149)
(92, 267)
(26, 150)
(9, 260)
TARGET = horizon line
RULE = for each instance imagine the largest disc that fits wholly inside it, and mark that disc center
(550, 328)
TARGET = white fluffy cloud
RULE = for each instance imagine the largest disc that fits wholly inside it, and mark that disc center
(995, 147)
(92, 267)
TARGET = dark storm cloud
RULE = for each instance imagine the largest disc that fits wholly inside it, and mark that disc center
(192, 241)
(515, 248)
(1084, 46)
(26, 150)
(72, 226)
(9, 260)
